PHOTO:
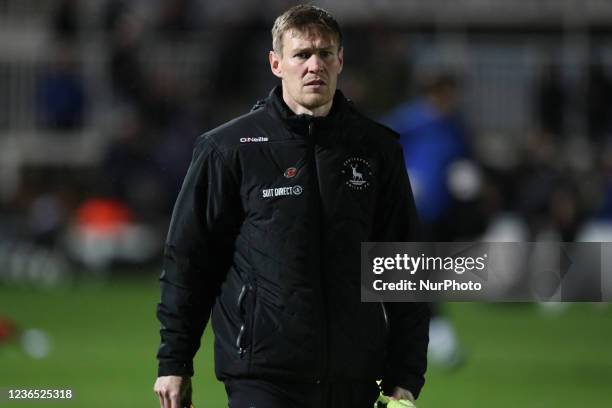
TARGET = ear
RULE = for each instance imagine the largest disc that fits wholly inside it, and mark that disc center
(275, 64)
(341, 58)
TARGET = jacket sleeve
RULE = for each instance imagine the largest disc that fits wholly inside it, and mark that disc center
(197, 255)
(406, 360)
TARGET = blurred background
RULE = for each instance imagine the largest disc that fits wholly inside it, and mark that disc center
(504, 110)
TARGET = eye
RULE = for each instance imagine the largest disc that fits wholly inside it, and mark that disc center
(325, 54)
(302, 55)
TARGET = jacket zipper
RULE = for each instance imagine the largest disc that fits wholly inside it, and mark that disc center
(239, 338)
(323, 303)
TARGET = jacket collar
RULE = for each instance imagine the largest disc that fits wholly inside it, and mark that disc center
(277, 108)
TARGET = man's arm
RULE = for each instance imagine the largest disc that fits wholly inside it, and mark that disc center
(408, 322)
(197, 255)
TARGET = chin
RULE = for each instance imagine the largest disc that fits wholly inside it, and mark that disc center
(314, 101)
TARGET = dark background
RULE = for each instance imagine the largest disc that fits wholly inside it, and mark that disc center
(101, 100)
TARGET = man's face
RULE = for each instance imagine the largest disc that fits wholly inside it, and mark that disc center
(309, 68)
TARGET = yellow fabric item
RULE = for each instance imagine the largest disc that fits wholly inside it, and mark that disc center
(386, 402)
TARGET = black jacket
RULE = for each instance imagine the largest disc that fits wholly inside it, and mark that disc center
(266, 234)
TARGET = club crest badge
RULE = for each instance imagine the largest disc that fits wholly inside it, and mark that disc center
(357, 173)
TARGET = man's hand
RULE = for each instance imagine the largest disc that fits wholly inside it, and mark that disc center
(400, 393)
(173, 391)
(401, 398)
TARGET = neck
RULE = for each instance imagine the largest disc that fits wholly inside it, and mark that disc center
(298, 109)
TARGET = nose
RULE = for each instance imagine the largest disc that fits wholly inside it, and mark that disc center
(315, 63)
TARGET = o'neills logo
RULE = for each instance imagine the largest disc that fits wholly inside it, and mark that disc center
(357, 173)
(253, 139)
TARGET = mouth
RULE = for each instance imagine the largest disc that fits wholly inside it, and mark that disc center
(315, 83)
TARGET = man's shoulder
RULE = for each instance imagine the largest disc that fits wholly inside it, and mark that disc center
(253, 127)
(238, 130)
(372, 132)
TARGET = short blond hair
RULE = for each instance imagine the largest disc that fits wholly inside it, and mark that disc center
(305, 18)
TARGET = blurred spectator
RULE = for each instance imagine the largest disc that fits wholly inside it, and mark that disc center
(603, 209)
(65, 21)
(127, 74)
(434, 139)
(160, 103)
(174, 152)
(233, 88)
(46, 219)
(60, 92)
(129, 171)
(550, 100)
(598, 100)
(144, 165)
(387, 83)
(105, 233)
(547, 198)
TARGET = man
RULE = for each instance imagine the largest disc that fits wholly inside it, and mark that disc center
(266, 234)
